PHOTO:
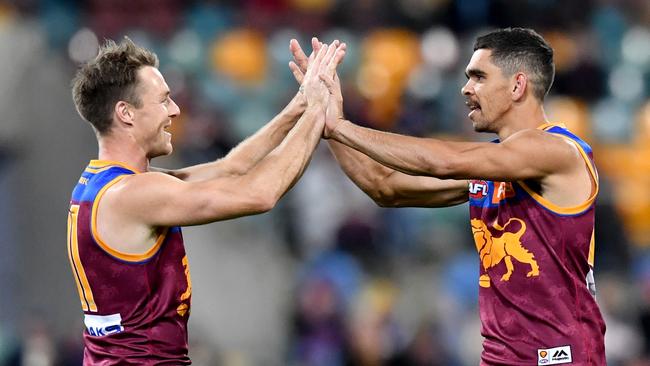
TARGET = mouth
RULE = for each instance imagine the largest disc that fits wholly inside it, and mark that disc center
(167, 128)
(473, 107)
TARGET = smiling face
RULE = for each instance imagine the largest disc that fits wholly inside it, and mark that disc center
(154, 117)
(487, 92)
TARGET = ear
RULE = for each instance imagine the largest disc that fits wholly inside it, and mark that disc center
(520, 84)
(124, 112)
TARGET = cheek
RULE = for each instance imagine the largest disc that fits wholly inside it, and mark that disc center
(495, 98)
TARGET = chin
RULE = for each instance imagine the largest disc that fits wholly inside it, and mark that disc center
(167, 151)
(482, 126)
(162, 152)
(479, 126)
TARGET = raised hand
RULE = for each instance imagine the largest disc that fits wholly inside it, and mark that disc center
(301, 62)
(324, 63)
(334, 114)
(300, 65)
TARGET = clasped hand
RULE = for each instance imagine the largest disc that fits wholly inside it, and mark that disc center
(318, 80)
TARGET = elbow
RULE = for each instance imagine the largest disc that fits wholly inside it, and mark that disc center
(267, 205)
(383, 197)
(268, 198)
(386, 204)
(261, 195)
(380, 190)
(263, 202)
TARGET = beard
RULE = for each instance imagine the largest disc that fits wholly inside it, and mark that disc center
(480, 124)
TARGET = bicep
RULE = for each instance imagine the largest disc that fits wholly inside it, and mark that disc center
(527, 156)
(201, 172)
(162, 200)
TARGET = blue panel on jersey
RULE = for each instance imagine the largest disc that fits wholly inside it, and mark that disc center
(95, 182)
(562, 131)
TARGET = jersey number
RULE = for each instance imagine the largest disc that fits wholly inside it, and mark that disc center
(184, 307)
(85, 293)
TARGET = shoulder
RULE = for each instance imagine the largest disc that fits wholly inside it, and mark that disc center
(542, 141)
(142, 183)
(533, 135)
(127, 192)
(548, 152)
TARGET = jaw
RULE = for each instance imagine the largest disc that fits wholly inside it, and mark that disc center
(483, 125)
(161, 147)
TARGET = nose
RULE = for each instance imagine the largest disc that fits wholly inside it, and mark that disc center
(466, 90)
(174, 110)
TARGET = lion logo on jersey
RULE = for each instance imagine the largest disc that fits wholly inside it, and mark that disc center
(492, 250)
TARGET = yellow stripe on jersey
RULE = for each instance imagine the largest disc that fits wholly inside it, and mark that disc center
(103, 164)
(547, 126)
(128, 257)
(85, 293)
(592, 249)
(97, 170)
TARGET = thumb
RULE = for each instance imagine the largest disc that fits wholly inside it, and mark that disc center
(297, 73)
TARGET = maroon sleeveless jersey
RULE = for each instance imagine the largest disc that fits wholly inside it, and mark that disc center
(135, 306)
(536, 284)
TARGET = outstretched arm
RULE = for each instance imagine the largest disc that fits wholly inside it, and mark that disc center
(386, 186)
(527, 154)
(250, 151)
(154, 199)
(391, 188)
(254, 148)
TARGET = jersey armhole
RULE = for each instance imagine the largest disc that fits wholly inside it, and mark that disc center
(127, 257)
(572, 210)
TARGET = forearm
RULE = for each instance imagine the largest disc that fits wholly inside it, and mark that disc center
(391, 188)
(411, 155)
(250, 151)
(366, 173)
(281, 168)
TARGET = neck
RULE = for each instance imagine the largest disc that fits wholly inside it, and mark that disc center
(522, 117)
(122, 149)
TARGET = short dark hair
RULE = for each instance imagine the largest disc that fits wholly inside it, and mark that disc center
(521, 49)
(108, 78)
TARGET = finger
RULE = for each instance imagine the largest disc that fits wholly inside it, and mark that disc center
(298, 54)
(336, 59)
(331, 51)
(336, 56)
(316, 44)
(318, 60)
(297, 73)
(315, 47)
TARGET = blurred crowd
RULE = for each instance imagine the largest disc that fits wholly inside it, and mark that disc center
(377, 286)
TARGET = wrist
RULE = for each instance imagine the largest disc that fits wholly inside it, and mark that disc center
(339, 130)
(317, 104)
(315, 109)
(297, 105)
(311, 109)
